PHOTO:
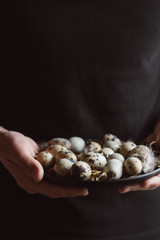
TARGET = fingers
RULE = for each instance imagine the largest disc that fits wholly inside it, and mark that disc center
(151, 183)
(31, 167)
(44, 188)
(56, 191)
(34, 145)
(128, 188)
(22, 153)
(26, 163)
(148, 184)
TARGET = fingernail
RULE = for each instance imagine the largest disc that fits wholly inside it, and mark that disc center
(84, 192)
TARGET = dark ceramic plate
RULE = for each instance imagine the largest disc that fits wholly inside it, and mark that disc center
(122, 181)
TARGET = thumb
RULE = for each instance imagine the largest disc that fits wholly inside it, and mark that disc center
(32, 168)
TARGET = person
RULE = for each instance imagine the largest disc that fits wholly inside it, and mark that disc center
(77, 68)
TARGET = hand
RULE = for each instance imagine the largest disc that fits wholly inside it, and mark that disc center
(17, 154)
(153, 182)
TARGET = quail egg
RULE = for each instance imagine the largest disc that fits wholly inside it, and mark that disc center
(53, 149)
(81, 170)
(46, 159)
(65, 154)
(106, 151)
(111, 137)
(61, 141)
(63, 166)
(113, 169)
(77, 144)
(111, 144)
(146, 156)
(117, 156)
(133, 166)
(96, 160)
(126, 148)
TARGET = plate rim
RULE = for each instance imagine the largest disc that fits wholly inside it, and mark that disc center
(80, 183)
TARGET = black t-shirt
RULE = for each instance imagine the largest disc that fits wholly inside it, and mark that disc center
(81, 68)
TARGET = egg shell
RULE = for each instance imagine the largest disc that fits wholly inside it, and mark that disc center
(46, 159)
(146, 156)
(111, 144)
(114, 169)
(111, 137)
(117, 156)
(126, 147)
(61, 141)
(53, 149)
(107, 151)
(96, 160)
(92, 147)
(65, 154)
(63, 166)
(77, 144)
(133, 166)
(81, 170)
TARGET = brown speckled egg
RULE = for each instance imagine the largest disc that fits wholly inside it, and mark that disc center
(65, 154)
(111, 137)
(81, 170)
(126, 148)
(96, 160)
(106, 152)
(46, 159)
(63, 166)
(133, 166)
(53, 149)
(61, 141)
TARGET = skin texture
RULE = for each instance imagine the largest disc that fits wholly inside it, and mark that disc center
(153, 182)
(17, 155)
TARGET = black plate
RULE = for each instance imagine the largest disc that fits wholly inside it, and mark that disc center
(122, 181)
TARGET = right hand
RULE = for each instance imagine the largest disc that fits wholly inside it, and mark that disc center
(17, 154)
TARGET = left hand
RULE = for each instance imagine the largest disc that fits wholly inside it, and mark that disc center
(153, 182)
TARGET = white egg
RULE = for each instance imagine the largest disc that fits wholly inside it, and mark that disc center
(77, 144)
(114, 169)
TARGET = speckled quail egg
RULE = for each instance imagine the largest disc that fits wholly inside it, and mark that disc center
(46, 159)
(113, 169)
(61, 141)
(106, 151)
(111, 144)
(63, 166)
(117, 156)
(96, 160)
(77, 144)
(92, 147)
(53, 149)
(126, 148)
(133, 166)
(146, 156)
(81, 170)
(65, 154)
(111, 137)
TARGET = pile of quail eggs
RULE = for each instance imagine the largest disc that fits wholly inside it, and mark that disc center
(90, 160)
